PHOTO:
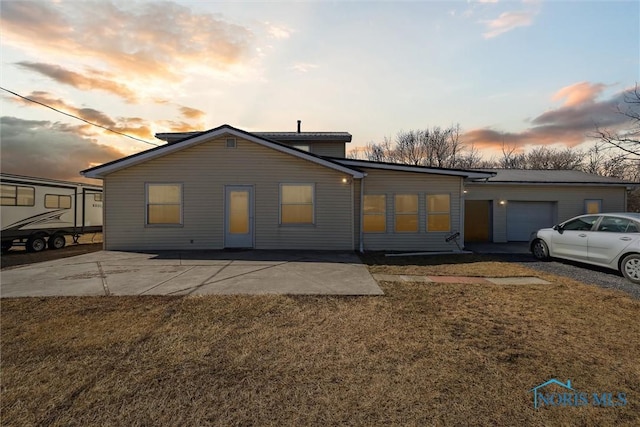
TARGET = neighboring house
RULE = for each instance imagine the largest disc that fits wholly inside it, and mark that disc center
(227, 188)
(513, 203)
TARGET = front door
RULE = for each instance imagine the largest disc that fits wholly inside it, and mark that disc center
(238, 216)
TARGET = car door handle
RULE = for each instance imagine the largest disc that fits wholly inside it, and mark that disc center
(626, 239)
(582, 235)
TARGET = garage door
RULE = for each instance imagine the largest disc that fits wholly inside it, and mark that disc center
(526, 217)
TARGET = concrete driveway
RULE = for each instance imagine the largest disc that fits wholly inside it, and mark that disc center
(192, 273)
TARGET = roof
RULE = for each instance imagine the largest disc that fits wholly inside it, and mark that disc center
(474, 174)
(172, 137)
(17, 179)
(570, 177)
(200, 137)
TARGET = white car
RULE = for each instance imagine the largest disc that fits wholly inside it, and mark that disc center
(610, 240)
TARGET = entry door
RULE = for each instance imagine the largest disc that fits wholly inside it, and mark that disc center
(238, 216)
(477, 220)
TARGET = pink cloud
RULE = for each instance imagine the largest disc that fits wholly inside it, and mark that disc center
(93, 79)
(508, 21)
(157, 40)
(579, 93)
(571, 124)
(127, 125)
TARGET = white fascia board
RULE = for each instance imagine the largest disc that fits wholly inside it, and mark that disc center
(418, 169)
(100, 172)
(561, 184)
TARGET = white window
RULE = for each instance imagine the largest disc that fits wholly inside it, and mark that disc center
(375, 213)
(406, 212)
(438, 212)
(303, 147)
(296, 203)
(164, 204)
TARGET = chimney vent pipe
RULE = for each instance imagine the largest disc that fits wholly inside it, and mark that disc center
(299, 122)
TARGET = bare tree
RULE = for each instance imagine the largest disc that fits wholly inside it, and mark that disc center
(511, 159)
(434, 147)
(628, 141)
(551, 158)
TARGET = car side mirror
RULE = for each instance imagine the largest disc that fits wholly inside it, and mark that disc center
(558, 228)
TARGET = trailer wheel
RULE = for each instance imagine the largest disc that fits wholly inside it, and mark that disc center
(6, 245)
(57, 241)
(36, 244)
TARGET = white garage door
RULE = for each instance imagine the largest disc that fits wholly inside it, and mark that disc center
(526, 217)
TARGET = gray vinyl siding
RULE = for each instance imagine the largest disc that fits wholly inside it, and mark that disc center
(569, 200)
(330, 149)
(391, 183)
(204, 170)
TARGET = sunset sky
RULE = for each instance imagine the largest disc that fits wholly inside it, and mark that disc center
(524, 73)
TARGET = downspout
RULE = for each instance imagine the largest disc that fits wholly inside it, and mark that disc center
(353, 219)
(361, 234)
(462, 213)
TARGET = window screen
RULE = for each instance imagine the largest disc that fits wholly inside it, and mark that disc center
(406, 212)
(375, 218)
(164, 204)
(296, 203)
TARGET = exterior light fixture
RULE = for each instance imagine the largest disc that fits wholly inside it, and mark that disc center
(502, 202)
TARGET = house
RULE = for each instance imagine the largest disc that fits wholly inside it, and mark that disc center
(228, 188)
(513, 203)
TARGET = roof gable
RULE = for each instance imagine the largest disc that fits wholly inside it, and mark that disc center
(163, 150)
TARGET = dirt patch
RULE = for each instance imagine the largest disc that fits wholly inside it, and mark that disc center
(18, 256)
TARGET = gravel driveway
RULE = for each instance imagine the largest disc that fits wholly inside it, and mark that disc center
(588, 274)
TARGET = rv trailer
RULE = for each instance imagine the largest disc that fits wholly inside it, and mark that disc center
(40, 212)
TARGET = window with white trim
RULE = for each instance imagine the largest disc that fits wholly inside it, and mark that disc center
(406, 213)
(374, 213)
(297, 204)
(164, 204)
(438, 212)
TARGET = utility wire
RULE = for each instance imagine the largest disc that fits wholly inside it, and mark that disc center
(76, 117)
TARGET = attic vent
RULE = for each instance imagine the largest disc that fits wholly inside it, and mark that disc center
(231, 143)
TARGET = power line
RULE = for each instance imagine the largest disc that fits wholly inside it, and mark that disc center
(76, 117)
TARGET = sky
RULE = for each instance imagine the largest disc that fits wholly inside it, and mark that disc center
(521, 73)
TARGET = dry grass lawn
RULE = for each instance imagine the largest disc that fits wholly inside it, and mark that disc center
(423, 354)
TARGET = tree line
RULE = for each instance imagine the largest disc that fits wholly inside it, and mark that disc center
(615, 153)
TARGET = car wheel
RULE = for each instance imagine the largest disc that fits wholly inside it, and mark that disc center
(540, 249)
(57, 241)
(36, 244)
(630, 268)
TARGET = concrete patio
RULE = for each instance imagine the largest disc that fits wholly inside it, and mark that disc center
(192, 273)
